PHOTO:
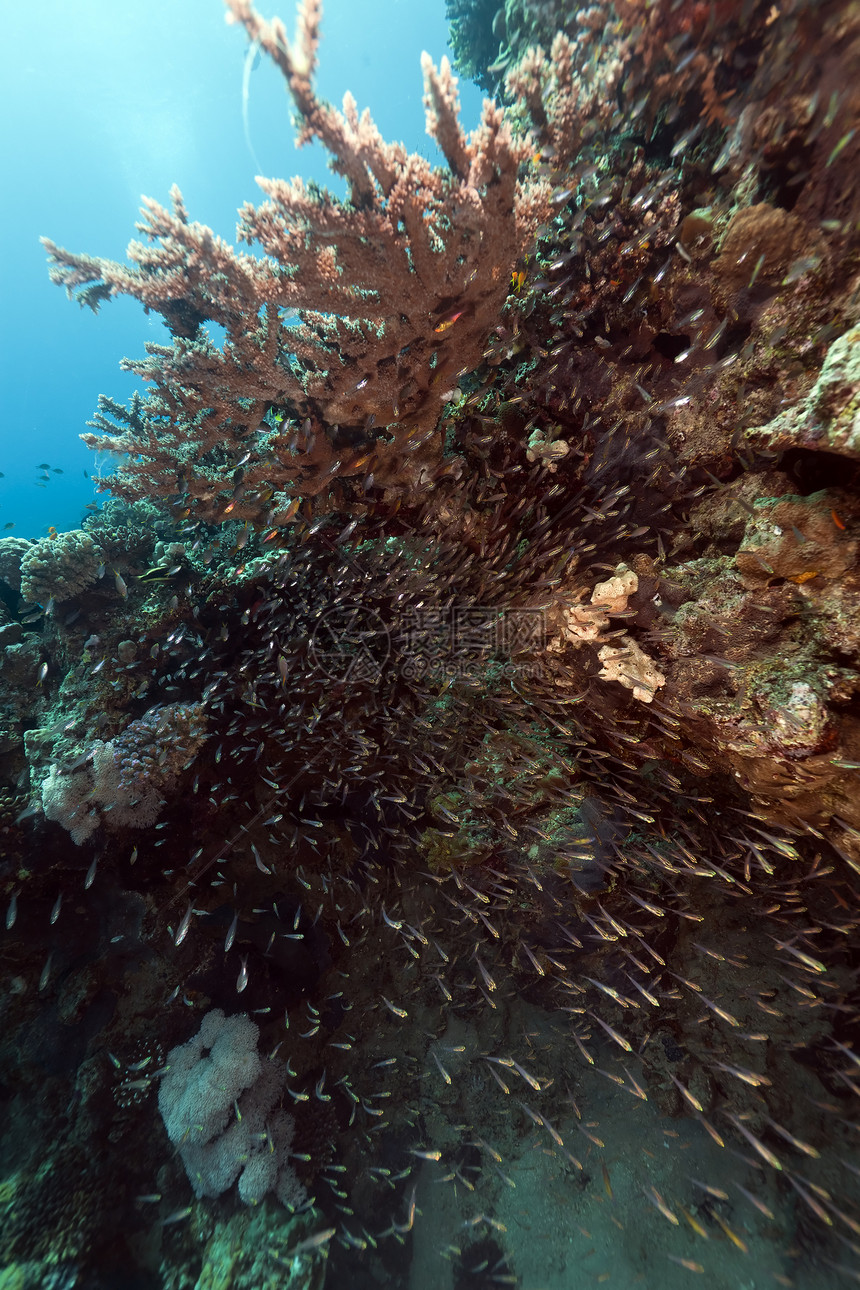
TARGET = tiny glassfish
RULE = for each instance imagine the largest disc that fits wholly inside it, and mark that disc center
(651, 908)
(646, 994)
(720, 1012)
(538, 967)
(488, 980)
(610, 1075)
(612, 993)
(694, 1223)
(808, 962)
(686, 1094)
(759, 1147)
(529, 1079)
(636, 1090)
(318, 1091)
(311, 1242)
(613, 1034)
(691, 985)
(709, 1129)
(258, 861)
(759, 1204)
(138, 1085)
(586, 1054)
(497, 1077)
(178, 1216)
(490, 1150)
(598, 1142)
(716, 1192)
(652, 1194)
(748, 1077)
(733, 1236)
(539, 1119)
(446, 1077)
(182, 929)
(613, 923)
(795, 1142)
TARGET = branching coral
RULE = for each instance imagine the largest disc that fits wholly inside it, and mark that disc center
(349, 334)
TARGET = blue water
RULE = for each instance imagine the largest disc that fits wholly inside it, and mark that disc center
(107, 100)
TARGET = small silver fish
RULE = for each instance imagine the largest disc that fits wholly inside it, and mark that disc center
(446, 1077)
(258, 861)
(613, 1034)
(182, 929)
(178, 1216)
(529, 1079)
(313, 1242)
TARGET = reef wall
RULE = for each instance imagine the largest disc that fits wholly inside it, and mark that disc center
(462, 682)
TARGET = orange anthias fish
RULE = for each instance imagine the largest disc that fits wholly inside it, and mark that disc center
(448, 322)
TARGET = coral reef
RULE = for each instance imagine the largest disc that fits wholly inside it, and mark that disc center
(467, 724)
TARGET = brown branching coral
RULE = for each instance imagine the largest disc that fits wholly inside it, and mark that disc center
(395, 290)
(568, 99)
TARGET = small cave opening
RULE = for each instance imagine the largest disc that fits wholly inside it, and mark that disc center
(785, 173)
(669, 346)
(811, 470)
